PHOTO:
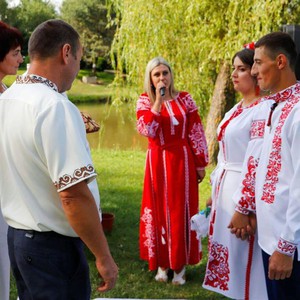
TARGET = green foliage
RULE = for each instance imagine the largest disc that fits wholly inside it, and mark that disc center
(29, 14)
(3, 9)
(194, 36)
(89, 19)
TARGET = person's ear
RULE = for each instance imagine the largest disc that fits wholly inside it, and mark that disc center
(281, 61)
(66, 52)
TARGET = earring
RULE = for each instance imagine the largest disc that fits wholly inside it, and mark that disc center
(257, 90)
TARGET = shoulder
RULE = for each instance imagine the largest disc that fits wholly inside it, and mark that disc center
(188, 101)
(143, 102)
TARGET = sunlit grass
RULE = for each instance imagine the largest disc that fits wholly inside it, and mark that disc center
(120, 179)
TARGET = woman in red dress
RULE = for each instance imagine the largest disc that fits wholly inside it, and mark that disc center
(175, 164)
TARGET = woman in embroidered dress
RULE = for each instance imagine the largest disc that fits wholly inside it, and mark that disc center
(175, 164)
(10, 59)
(235, 267)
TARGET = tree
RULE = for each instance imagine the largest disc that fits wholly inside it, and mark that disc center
(29, 14)
(3, 9)
(196, 37)
(89, 18)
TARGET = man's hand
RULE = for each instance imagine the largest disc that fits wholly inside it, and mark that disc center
(280, 266)
(241, 226)
(108, 271)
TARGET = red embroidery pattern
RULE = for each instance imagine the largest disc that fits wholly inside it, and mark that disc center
(217, 273)
(257, 129)
(236, 113)
(247, 200)
(274, 165)
(286, 247)
(77, 175)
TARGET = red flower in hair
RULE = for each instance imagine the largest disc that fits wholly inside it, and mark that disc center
(250, 46)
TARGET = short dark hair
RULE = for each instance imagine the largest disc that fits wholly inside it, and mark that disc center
(10, 38)
(279, 42)
(49, 37)
(246, 56)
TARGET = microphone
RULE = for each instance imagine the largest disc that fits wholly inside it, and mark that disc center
(162, 91)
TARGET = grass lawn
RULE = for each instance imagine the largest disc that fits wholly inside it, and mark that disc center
(120, 182)
(120, 179)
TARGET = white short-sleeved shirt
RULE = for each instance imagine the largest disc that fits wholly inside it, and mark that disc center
(43, 151)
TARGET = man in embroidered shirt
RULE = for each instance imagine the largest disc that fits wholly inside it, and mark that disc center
(277, 189)
(49, 195)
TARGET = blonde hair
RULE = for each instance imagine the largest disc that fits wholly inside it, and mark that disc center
(148, 86)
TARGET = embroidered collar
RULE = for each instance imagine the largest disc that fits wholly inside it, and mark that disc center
(284, 94)
(31, 78)
(237, 112)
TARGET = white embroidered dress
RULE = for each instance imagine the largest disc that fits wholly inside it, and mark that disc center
(44, 149)
(234, 267)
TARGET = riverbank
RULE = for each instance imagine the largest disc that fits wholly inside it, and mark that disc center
(103, 91)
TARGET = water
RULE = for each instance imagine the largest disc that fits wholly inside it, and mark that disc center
(117, 127)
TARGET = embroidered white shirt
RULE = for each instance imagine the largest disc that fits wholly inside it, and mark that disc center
(43, 151)
(277, 179)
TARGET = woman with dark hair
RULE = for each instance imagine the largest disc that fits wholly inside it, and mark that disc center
(235, 267)
(10, 59)
(10, 52)
(175, 164)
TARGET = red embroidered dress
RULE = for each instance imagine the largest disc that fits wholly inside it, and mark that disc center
(235, 267)
(177, 147)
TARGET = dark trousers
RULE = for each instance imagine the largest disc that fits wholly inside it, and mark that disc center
(286, 289)
(48, 266)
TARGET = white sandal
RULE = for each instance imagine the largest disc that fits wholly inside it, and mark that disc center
(179, 278)
(162, 275)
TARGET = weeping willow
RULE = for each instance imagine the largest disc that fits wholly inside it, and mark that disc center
(194, 36)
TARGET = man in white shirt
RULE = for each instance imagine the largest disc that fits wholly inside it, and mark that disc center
(49, 195)
(277, 188)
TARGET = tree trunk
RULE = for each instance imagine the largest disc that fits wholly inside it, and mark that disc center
(222, 100)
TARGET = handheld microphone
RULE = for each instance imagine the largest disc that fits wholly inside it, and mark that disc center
(162, 91)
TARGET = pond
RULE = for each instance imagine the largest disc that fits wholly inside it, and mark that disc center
(117, 127)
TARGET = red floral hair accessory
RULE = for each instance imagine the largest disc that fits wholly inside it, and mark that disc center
(250, 46)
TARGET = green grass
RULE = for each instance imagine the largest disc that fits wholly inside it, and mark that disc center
(120, 179)
(120, 182)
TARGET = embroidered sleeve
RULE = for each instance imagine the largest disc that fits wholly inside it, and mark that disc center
(247, 198)
(244, 196)
(80, 174)
(286, 247)
(148, 121)
(60, 139)
(196, 134)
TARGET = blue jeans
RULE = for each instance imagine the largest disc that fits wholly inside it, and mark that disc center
(286, 289)
(48, 266)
